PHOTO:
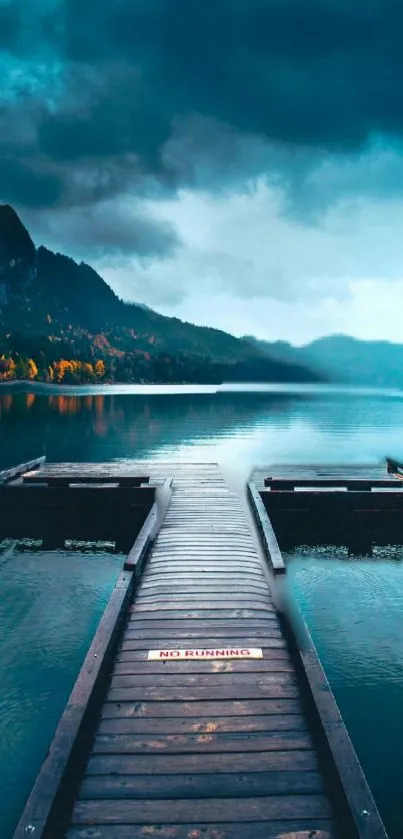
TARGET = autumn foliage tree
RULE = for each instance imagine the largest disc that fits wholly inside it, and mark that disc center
(67, 371)
(7, 368)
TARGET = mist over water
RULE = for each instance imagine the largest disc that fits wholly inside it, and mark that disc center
(51, 603)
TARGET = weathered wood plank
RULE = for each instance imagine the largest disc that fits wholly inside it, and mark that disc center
(194, 613)
(334, 501)
(348, 483)
(201, 576)
(270, 629)
(239, 564)
(202, 763)
(147, 668)
(198, 604)
(205, 709)
(215, 678)
(289, 829)
(267, 534)
(192, 786)
(13, 472)
(197, 625)
(204, 638)
(204, 566)
(195, 810)
(65, 497)
(194, 725)
(183, 694)
(220, 743)
(209, 539)
(158, 588)
(202, 593)
(42, 477)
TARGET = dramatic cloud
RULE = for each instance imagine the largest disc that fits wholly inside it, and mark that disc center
(105, 231)
(319, 76)
(144, 126)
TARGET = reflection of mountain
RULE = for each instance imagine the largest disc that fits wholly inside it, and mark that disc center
(52, 309)
(341, 358)
(248, 428)
(98, 427)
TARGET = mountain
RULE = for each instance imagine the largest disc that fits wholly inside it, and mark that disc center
(60, 321)
(342, 359)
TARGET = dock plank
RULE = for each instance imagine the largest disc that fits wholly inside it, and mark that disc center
(190, 786)
(220, 743)
(202, 763)
(193, 725)
(133, 668)
(195, 810)
(190, 694)
(209, 709)
(290, 829)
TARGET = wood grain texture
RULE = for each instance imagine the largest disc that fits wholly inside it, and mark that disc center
(196, 694)
(208, 709)
(217, 743)
(290, 829)
(196, 725)
(177, 764)
(194, 810)
(192, 786)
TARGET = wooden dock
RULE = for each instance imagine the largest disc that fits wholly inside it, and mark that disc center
(356, 506)
(214, 745)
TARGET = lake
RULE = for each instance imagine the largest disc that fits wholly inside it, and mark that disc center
(50, 603)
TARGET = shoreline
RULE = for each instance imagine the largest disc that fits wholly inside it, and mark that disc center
(109, 388)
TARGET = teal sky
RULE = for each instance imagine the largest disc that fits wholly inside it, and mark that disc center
(237, 163)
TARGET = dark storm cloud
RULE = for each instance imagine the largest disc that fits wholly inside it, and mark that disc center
(104, 229)
(20, 184)
(322, 72)
(310, 78)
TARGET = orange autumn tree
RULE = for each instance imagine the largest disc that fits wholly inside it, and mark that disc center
(7, 368)
(32, 370)
(59, 368)
(99, 368)
(69, 371)
(74, 371)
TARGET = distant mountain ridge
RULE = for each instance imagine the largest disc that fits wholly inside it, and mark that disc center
(62, 320)
(342, 359)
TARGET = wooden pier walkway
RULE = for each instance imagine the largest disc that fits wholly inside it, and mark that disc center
(203, 747)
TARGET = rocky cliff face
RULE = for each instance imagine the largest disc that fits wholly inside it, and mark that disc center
(18, 261)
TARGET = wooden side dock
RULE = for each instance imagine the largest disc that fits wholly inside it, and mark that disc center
(356, 506)
(214, 745)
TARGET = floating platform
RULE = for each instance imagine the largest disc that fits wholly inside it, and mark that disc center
(195, 714)
(355, 506)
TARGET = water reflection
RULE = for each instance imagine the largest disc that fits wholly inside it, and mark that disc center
(257, 427)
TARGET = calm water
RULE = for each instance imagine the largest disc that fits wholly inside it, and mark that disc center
(50, 603)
